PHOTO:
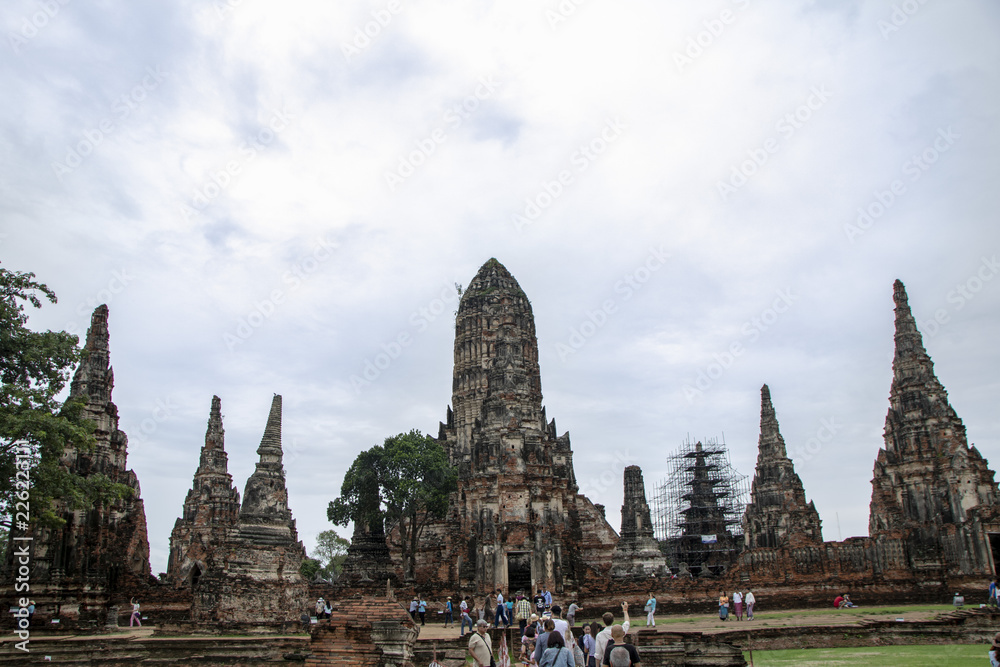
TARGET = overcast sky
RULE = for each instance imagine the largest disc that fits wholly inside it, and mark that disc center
(698, 198)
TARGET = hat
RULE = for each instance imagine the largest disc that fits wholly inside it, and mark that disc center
(534, 617)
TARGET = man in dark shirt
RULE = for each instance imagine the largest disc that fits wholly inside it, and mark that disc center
(539, 601)
(618, 642)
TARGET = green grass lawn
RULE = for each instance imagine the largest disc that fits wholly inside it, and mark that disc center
(849, 615)
(952, 655)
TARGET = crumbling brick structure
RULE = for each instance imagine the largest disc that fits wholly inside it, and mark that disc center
(85, 568)
(254, 581)
(934, 520)
(778, 514)
(929, 487)
(375, 632)
(637, 553)
(517, 519)
(211, 510)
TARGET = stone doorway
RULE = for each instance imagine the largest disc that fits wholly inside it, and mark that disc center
(994, 539)
(519, 572)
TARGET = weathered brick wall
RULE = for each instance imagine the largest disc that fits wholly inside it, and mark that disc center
(362, 632)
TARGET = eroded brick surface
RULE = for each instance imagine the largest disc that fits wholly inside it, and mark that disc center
(517, 519)
(100, 557)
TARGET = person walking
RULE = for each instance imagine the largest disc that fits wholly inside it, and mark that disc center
(571, 613)
(414, 603)
(651, 610)
(501, 613)
(136, 617)
(750, 600)
(463, 608)
(422, 610)
(449, 613)
(738, 604)
(522, 612)
(481, 646)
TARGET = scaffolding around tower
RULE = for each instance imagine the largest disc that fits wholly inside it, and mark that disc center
(698, 508)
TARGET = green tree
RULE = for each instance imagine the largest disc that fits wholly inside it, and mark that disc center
(330, 551)
(404, 482)
(309, 568)
(34, 427)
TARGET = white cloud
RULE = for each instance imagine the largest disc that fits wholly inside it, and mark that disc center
(323, 177)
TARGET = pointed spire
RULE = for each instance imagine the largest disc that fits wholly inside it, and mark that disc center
(778, 513)
(214, 459)
(94, 378)
(265, 497)
(270, 445)
(911, 363)
(770, 445)
(215, 435)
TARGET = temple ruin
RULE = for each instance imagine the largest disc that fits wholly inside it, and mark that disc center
(517, 519)
(637, 553)
(211, 510)
(699, 507)
(934, 521)
(252, 578)
(778, 514)
(87, 568)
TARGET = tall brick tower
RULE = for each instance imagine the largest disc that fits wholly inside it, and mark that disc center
(637, 553)
(516, 519)
(211, 509)
(101, 555)
(929, 487)
(261, 555)
(778, 514)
